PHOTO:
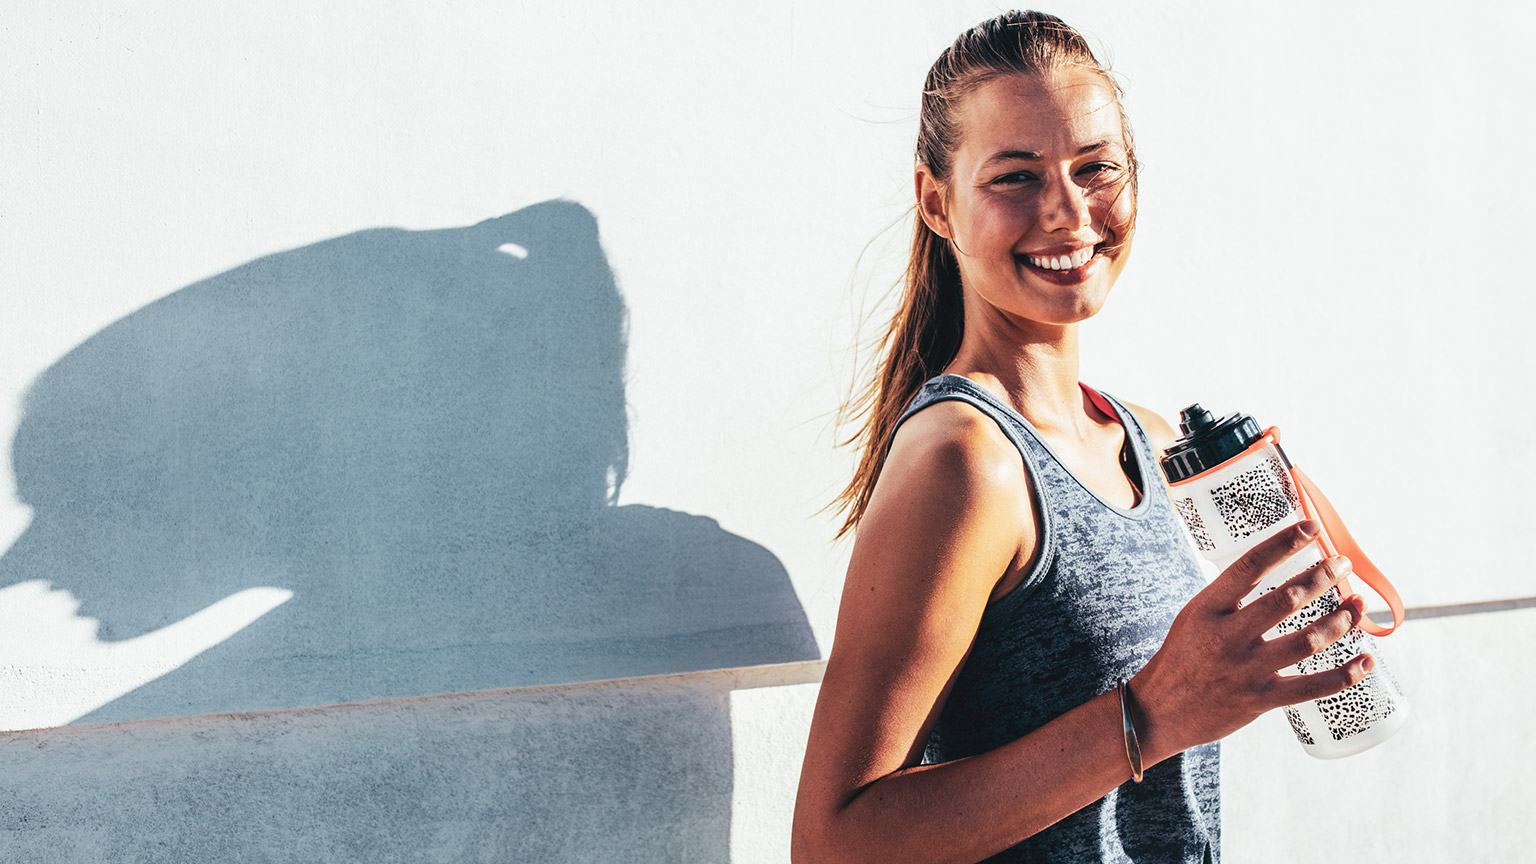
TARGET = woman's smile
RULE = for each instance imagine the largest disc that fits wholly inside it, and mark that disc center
(1063, 268)
(1067, 260)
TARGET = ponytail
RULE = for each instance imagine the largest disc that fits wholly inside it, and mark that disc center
(922, 338)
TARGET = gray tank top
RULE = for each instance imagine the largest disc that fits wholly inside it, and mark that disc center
(1093, 609)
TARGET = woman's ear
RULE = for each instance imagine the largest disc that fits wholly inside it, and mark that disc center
(930, 202)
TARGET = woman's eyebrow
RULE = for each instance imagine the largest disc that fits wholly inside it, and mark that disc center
(1032, 156)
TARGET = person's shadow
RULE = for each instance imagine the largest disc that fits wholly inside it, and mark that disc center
(421, 436)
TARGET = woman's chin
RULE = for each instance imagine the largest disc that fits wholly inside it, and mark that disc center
(1074, 309)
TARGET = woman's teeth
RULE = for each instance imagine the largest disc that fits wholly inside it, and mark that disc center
(1063, 262)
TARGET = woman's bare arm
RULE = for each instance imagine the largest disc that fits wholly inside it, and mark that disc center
(950, 517)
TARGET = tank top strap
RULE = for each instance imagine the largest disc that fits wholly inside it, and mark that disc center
(956, 388)
(1045, 466)
(1055, 483)
(1140, 438)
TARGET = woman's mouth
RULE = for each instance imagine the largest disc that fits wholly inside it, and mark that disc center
(1070, 261)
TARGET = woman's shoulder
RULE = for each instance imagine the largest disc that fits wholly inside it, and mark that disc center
(954, 443)
(953, 486)
(951, 510)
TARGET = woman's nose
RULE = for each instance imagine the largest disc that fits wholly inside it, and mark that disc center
(1065, 206)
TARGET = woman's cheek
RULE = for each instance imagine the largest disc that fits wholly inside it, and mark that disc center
(1003, 225)
(1119, 209)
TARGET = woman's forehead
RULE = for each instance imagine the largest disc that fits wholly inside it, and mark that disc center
(1064, 110)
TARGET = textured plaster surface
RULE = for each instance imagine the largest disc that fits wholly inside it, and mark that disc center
(638, 770)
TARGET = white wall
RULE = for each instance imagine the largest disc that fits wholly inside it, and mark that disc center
(1332, 205)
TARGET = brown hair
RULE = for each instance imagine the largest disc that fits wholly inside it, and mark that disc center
(924, 335)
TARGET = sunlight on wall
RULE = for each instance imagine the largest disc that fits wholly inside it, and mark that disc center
(56, 670)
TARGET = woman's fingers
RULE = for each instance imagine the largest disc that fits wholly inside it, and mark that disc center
(1235, 582)
(1293, 595)
(1292, 648)
(1215, 672)
(1284, 690)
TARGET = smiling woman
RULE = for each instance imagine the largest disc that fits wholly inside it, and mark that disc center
(1026, 666)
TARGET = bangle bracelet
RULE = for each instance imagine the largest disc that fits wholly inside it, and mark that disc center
(1132, 746)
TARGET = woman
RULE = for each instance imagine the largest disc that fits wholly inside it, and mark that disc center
(1021, 607)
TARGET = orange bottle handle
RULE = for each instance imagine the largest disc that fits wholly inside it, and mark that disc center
(1336, 540)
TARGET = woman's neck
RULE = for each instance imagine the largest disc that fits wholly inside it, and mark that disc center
(1034, 366)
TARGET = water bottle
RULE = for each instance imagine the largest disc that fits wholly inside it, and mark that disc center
(1234, 487)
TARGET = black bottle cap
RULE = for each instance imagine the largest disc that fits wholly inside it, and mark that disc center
(1207, 442)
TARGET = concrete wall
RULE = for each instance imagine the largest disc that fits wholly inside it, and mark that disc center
(638, 770)
(1451, 785)
(353, 356)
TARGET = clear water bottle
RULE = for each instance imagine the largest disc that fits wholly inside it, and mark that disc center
(1234, 487)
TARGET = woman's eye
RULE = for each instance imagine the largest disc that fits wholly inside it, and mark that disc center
(1013, 178)
(1099, 168)
(1101, 175)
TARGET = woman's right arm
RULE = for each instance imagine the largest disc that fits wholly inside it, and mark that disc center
(949, 517)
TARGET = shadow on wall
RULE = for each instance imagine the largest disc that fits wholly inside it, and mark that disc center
(421, 435)
(612, 771)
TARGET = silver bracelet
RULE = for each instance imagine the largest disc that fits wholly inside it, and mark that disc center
(1132, 746)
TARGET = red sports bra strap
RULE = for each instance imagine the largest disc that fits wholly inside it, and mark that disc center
(1099, 401)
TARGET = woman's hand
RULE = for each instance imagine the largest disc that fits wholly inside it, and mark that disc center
(1215, 672)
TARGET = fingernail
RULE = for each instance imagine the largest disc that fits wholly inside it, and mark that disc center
(1310, 528)
(1368, 663)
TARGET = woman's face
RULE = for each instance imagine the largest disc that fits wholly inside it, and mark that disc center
(1039, 204)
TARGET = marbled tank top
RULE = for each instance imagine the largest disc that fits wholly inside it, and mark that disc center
(1093, 609)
